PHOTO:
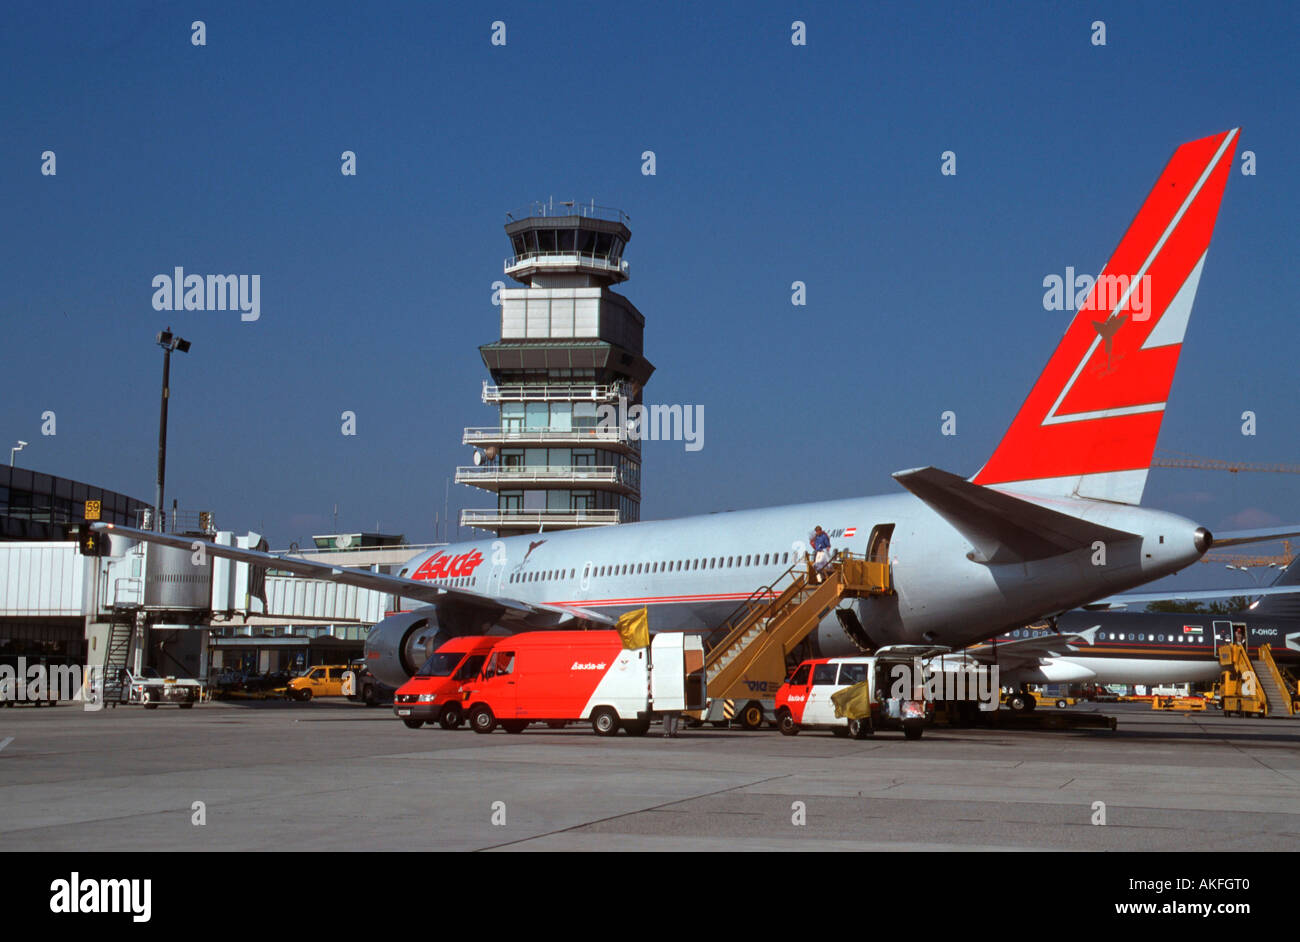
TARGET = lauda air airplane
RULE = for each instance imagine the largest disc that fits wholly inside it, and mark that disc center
(1051, 522)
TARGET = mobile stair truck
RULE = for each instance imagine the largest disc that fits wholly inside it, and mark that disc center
(555, 677)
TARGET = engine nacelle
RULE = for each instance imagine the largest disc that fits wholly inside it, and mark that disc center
(398, 646)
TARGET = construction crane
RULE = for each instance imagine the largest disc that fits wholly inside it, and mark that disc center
(1215, 464)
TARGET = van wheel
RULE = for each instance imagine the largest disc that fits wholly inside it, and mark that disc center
(1016, 703)
(369, 697)
(859, 729)
(637, 727)
(187, 706)
(413, 724)
(452, 716)
(514, 726)
(913, 730)
(304, 696)
(1061, 704)
(604, 721)
(786, 724)
(751, 717)
(151, 706)
(481, 719)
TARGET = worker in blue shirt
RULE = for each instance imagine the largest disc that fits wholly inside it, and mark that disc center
(821, 544)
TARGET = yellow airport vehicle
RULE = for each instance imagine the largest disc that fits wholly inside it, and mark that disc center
(323, 681)
(1179, 703)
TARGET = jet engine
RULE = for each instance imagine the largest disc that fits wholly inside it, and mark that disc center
(400, 644)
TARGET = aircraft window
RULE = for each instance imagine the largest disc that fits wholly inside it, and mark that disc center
(1162, 637)
(1142, 637)
(853, 673)
(785, 558)
(638, 568)
(1130, 637)
(765, 555)
(800, 677)
(824, 674)
(572, 573)
(729, 562)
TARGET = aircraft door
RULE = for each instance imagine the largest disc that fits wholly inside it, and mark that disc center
(1222, 635)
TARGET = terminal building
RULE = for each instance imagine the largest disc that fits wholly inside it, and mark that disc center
(569, 346)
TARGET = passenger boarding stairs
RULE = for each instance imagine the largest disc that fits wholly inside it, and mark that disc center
(748, 657)
(1271, 694)
(1278, 693)
(117, 653)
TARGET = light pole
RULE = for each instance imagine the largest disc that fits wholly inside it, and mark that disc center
(169, 342)
(13, 451)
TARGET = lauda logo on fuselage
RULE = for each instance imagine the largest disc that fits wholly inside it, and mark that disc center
(442, 566)
(588, 666)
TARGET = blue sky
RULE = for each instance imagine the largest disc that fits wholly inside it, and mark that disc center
(775, 163)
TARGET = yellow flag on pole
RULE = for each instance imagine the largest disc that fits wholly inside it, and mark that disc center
(634, 629)
(852, 702)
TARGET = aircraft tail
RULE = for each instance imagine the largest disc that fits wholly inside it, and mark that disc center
(1089, 425)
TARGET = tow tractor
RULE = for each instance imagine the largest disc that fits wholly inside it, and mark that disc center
(151, 690)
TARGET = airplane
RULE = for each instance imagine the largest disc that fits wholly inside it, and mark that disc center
(1051, 522)
(1144, 647)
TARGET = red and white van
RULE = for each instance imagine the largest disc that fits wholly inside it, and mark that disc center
(557, 676)
(804, 700)
(433, 694)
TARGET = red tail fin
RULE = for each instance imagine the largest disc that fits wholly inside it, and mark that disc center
(1089, 425)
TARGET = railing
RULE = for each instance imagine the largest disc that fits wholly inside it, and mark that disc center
(578, 258)
(545, 209)
(177, 521)
(523, 474)
(128, 590)
(580, 392)
(1265, 657)
(412, 548)
(594, 433)
(498, 517)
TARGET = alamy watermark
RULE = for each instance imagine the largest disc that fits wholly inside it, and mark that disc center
(181, 292)
(917, 682)
(1074, 292)
(655, 423)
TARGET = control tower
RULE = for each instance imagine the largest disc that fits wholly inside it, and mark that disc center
(569, 345)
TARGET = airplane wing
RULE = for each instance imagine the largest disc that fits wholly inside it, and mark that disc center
(1022, 650)
(1142, 598)
(1261, 535)
(999, 525)
(507, 611)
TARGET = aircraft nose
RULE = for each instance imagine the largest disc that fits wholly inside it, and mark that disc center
(1203, 539)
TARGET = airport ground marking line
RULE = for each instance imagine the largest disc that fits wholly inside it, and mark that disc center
(5, 742)
(627, 814)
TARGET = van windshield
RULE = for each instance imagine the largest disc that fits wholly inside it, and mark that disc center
(439, 665)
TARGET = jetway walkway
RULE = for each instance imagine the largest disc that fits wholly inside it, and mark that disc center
(748, 657)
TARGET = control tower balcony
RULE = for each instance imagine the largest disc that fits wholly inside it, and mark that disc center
(492, 477)
(532, 520)
(615, 439)
(583, 392)
(567, 239)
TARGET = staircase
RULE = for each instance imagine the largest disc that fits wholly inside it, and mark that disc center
(1278, 695)
(117, 653)
(748, 657)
